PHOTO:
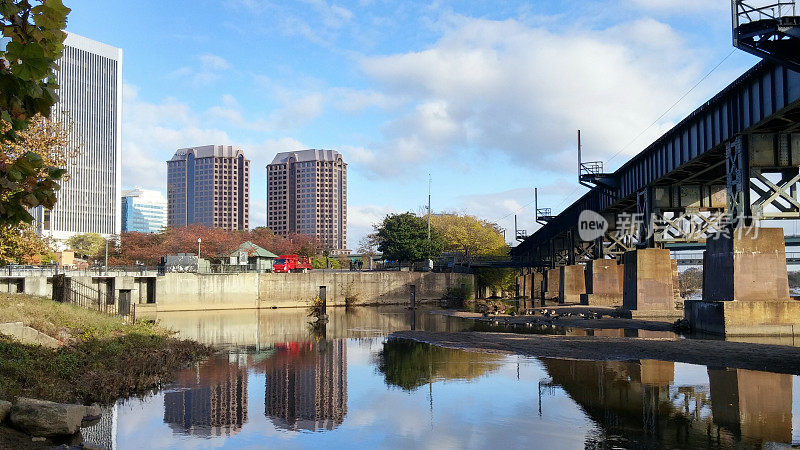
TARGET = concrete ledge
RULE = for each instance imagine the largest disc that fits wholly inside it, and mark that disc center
(28, 335)
(744, 318)
(601, 299)
(651, 313)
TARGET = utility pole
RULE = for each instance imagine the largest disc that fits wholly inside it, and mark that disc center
(430, 180)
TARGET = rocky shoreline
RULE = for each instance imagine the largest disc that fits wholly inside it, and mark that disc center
(45, 423)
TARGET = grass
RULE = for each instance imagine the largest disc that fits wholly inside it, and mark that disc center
(103, 359)
(59, 319)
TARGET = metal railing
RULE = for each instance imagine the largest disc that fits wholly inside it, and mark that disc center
(13, 270)
(100, 297)
(591, 168)
(753, 10)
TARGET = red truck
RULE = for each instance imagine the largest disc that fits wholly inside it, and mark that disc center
(291, 263)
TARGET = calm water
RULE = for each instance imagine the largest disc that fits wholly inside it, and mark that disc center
(279, 383)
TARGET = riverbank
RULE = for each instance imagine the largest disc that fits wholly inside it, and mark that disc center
(100, 358)
(715, 353)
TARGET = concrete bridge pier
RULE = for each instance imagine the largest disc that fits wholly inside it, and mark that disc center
(745, 286)
(551, 285)
(572, 284)
(604, 281)
(648, 283)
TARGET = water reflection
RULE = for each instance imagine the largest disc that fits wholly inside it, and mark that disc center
(346, 385)
(257, 329)
(306, 385)
(637, 404)
(409, 364)
(211, 399)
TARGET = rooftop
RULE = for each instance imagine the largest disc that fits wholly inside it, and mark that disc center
(307, 155)
(207, 151)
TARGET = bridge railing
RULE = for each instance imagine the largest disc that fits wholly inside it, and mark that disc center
(752, 10)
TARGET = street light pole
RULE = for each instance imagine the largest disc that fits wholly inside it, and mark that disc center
(106, 260)
(199, 240)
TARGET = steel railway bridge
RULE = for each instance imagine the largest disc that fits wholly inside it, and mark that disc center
(734, 158)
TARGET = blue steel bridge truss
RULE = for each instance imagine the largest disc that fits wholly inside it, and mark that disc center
(748, 130)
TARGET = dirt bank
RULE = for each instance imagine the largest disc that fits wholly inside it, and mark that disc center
(771, 358)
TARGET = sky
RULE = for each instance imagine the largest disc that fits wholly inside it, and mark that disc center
(485, 97)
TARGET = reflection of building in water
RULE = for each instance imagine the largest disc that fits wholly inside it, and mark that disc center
(306, 385)
(214, 401)
(755, 406)
(103, 433)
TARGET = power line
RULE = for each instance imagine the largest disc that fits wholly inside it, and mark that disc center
(671, 107)
(575, 189)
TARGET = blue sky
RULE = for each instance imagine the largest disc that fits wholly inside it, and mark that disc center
(484, 96)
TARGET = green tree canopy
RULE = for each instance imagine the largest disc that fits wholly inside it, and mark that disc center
(404, 237)
(470, 235)
(88, 244)
(35, 35)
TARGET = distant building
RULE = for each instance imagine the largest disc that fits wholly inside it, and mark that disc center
(90, 100)
(307, 194)
(144, 211)
(209, 185)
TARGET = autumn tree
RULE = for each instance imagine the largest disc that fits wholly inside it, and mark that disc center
(35, 37)
(470, 235)
(21, 245)
(690, 282)
(404, 237)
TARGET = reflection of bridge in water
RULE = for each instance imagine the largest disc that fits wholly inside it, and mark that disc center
(212, 400)
(637, 404)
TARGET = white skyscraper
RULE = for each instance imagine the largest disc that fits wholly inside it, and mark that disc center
(90, 91)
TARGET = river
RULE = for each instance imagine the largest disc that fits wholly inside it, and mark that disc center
(278, 382)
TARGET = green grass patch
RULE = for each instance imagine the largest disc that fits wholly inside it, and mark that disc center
(104, 359)
(53, 319)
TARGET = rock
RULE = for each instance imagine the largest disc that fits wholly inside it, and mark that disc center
(43, 418)
(5, 407)
(92, 415)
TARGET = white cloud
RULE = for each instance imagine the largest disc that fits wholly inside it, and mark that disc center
(154, 131)
(682, 6)
(501, 85)
(208, 71)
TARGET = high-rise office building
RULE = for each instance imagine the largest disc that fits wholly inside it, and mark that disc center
(90, 101)
(144, 211)
(307, 194)
(209, 185)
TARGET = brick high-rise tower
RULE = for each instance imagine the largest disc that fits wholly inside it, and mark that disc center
(209, 185)
(307, 194)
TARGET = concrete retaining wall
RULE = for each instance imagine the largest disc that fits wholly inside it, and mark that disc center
(188, 291)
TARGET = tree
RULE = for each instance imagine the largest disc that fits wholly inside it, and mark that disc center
(470, 235)
(21, 245)
(404, 237)
(28, 88)
(91, 245)
(498, 280)
(690, 282)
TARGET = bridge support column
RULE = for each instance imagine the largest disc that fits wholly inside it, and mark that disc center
(604, 281)
(552, 283)
(757, 405)
(745, 286)
(647, 285)
(572, 284)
